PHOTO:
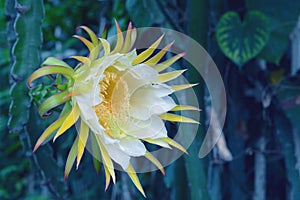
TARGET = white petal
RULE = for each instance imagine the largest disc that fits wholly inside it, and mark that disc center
(132, 147)
(124, 62)
(153, 127)
(117, 155)
(149, 100)
(139, 76)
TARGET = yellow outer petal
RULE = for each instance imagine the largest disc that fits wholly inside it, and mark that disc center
(71, 158)
(106, 159)
(169, 75)
(127, 42)
(70, 121)
(133, 37)
(120, 39)
(91, 34)
(106, 46)
(107, 177)
(82, 59)
(182, 87)
(132, 174)
(157, 142)
(164, 65)
(150, 157)
(87, 43)
(147, 53)
(83, 136)
(49, 130)
(155, 59)
(185, 107)
(175, 144)
(177, 118)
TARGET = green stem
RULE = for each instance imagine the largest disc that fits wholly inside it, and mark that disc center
(22, 117)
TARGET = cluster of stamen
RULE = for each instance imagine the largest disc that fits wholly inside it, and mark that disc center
(113, 110)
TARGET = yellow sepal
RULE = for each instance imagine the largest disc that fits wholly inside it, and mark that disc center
(150, 157)
(169, 75)
(155, 59)
(132, 174)
(106, 159)
(164, 65)
(183, 87)
(120, 39)
(147, 53)
(83, 136)
(70, 121)
(175, 144)
(177, 118)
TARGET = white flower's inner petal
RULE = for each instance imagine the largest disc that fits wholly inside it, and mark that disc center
(118, 155)
(150, 100)
(132, 147)
(139, 76)
(145, 128)
(124, 62)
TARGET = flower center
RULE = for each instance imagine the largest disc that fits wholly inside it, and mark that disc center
(114, 107)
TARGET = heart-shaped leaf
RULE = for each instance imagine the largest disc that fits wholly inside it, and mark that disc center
(240, 40)
(280, 25)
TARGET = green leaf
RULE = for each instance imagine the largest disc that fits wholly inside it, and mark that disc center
(281, 25)
(240, 40)
(137, 10)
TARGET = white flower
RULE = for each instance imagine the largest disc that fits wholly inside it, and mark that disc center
(121, 99)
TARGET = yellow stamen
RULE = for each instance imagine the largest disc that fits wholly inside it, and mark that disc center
(115, 102)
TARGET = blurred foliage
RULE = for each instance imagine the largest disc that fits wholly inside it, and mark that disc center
(249, 41)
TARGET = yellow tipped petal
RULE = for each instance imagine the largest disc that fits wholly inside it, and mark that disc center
(83, 136)
(70, 120)
(175, 144)
(87, 43)
(155, 59)
(66, 71)
(106, 46)
(157, 142)
(177, 118)
(164, 65)
(91, 34)
(107, 177)
(127, 42)
(147, 53)
(133, 37)
(92, 46)
(52, 102)
(54, 61)
(82, 59)
(50, 129)
(169, 75)
(120, 39)
(96, 153)
(106, 159)
(185, 107)
(182, 87)
(150, 157)
(71, 158)
(132, 174)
